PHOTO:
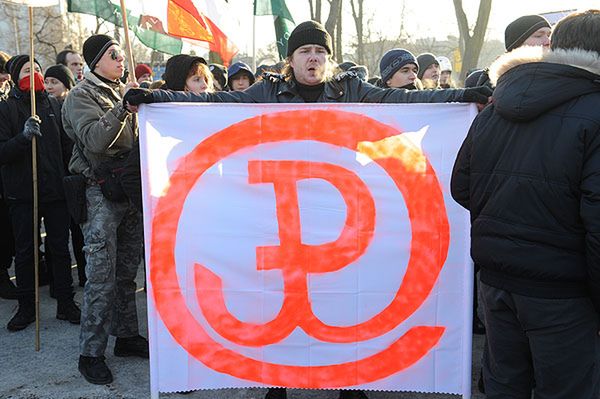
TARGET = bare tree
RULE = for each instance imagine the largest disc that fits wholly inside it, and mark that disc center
(315, 9)
(49, 31)
(471, 43)
(358, 16)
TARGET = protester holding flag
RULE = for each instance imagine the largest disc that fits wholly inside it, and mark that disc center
(528, 174)
(104, 133)
(17, 128)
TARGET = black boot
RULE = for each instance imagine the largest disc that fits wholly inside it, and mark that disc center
(67, 309)
(25, 316)
(352, 394)
(95, 370)
(7, 288)
(132, 346)
(276, 393)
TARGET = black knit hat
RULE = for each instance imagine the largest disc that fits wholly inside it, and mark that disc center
(61, 73)
(309, 32)
(393, 60)
(521, 28)
(15, 64)
(219, 73)
(177, 70)
(94, 48)
(425, 60)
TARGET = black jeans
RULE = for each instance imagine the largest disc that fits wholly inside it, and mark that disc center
(7, 243)
(553, 342)
(56, 221)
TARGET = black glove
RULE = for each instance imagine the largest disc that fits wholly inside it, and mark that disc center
(32, 127)
(137, 96)
(478, 94)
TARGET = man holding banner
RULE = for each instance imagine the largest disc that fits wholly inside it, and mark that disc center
(308, 77)
(104, 132)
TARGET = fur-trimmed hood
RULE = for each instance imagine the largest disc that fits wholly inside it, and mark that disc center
(530, 80)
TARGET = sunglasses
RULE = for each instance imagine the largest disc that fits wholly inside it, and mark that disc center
(115, 54)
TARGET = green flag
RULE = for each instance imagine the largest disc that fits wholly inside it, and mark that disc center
(284, 23)
(111, 12)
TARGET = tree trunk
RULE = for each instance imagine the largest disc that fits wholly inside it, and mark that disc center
(471, 43)
(338, 37)
(358, 22)
(332, 20)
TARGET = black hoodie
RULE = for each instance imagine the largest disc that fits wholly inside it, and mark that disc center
(529, 172)
(15, 149)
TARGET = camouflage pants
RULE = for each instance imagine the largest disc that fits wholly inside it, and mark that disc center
(113, 244)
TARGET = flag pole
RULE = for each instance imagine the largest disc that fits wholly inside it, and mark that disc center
(36, 227)
(128, 51)
(254, 38)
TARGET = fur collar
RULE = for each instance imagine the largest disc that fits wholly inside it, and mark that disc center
(588, 60)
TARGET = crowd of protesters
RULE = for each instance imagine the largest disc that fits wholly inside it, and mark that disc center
(527, 172)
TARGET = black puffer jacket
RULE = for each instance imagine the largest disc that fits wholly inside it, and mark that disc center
(529, 172)
(347, 87)
(15, 149)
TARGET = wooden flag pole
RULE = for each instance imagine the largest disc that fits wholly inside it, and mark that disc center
(128, 51)
(36, 227)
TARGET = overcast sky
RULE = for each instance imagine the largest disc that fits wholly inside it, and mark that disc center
(432, 18)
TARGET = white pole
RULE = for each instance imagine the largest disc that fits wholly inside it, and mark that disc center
(253, 42)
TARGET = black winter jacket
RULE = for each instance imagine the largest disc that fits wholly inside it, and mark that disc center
(15, 149)
(529, 172)
(347, 87)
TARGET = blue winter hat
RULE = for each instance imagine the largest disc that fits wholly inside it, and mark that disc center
(240, 67)
(393, 60)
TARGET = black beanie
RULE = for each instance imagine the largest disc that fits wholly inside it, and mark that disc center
(309, 32)
(61, 73)
(521, 28)
(15, 64)
(425, 60)
(393, 60)
(178, 69)
(95, 47)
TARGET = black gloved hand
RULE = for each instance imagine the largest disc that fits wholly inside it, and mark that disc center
(137, 96)
(478, 94)
(32, 127)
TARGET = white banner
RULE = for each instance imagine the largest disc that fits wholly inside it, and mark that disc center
(307, 246)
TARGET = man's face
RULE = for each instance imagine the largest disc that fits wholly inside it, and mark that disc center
(540, 37)
(111, 64)
(309, 63)
(403, 77)
(445, 77)
(26, 69)
(432, 73)
(75, 64)
(240, 83)
(55, 87)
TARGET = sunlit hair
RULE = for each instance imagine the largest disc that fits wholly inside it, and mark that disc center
(157, 84)
(578, 30)
(199, 68)
(330, 69)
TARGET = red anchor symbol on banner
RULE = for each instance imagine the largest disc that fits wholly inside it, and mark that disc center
(429, 246)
